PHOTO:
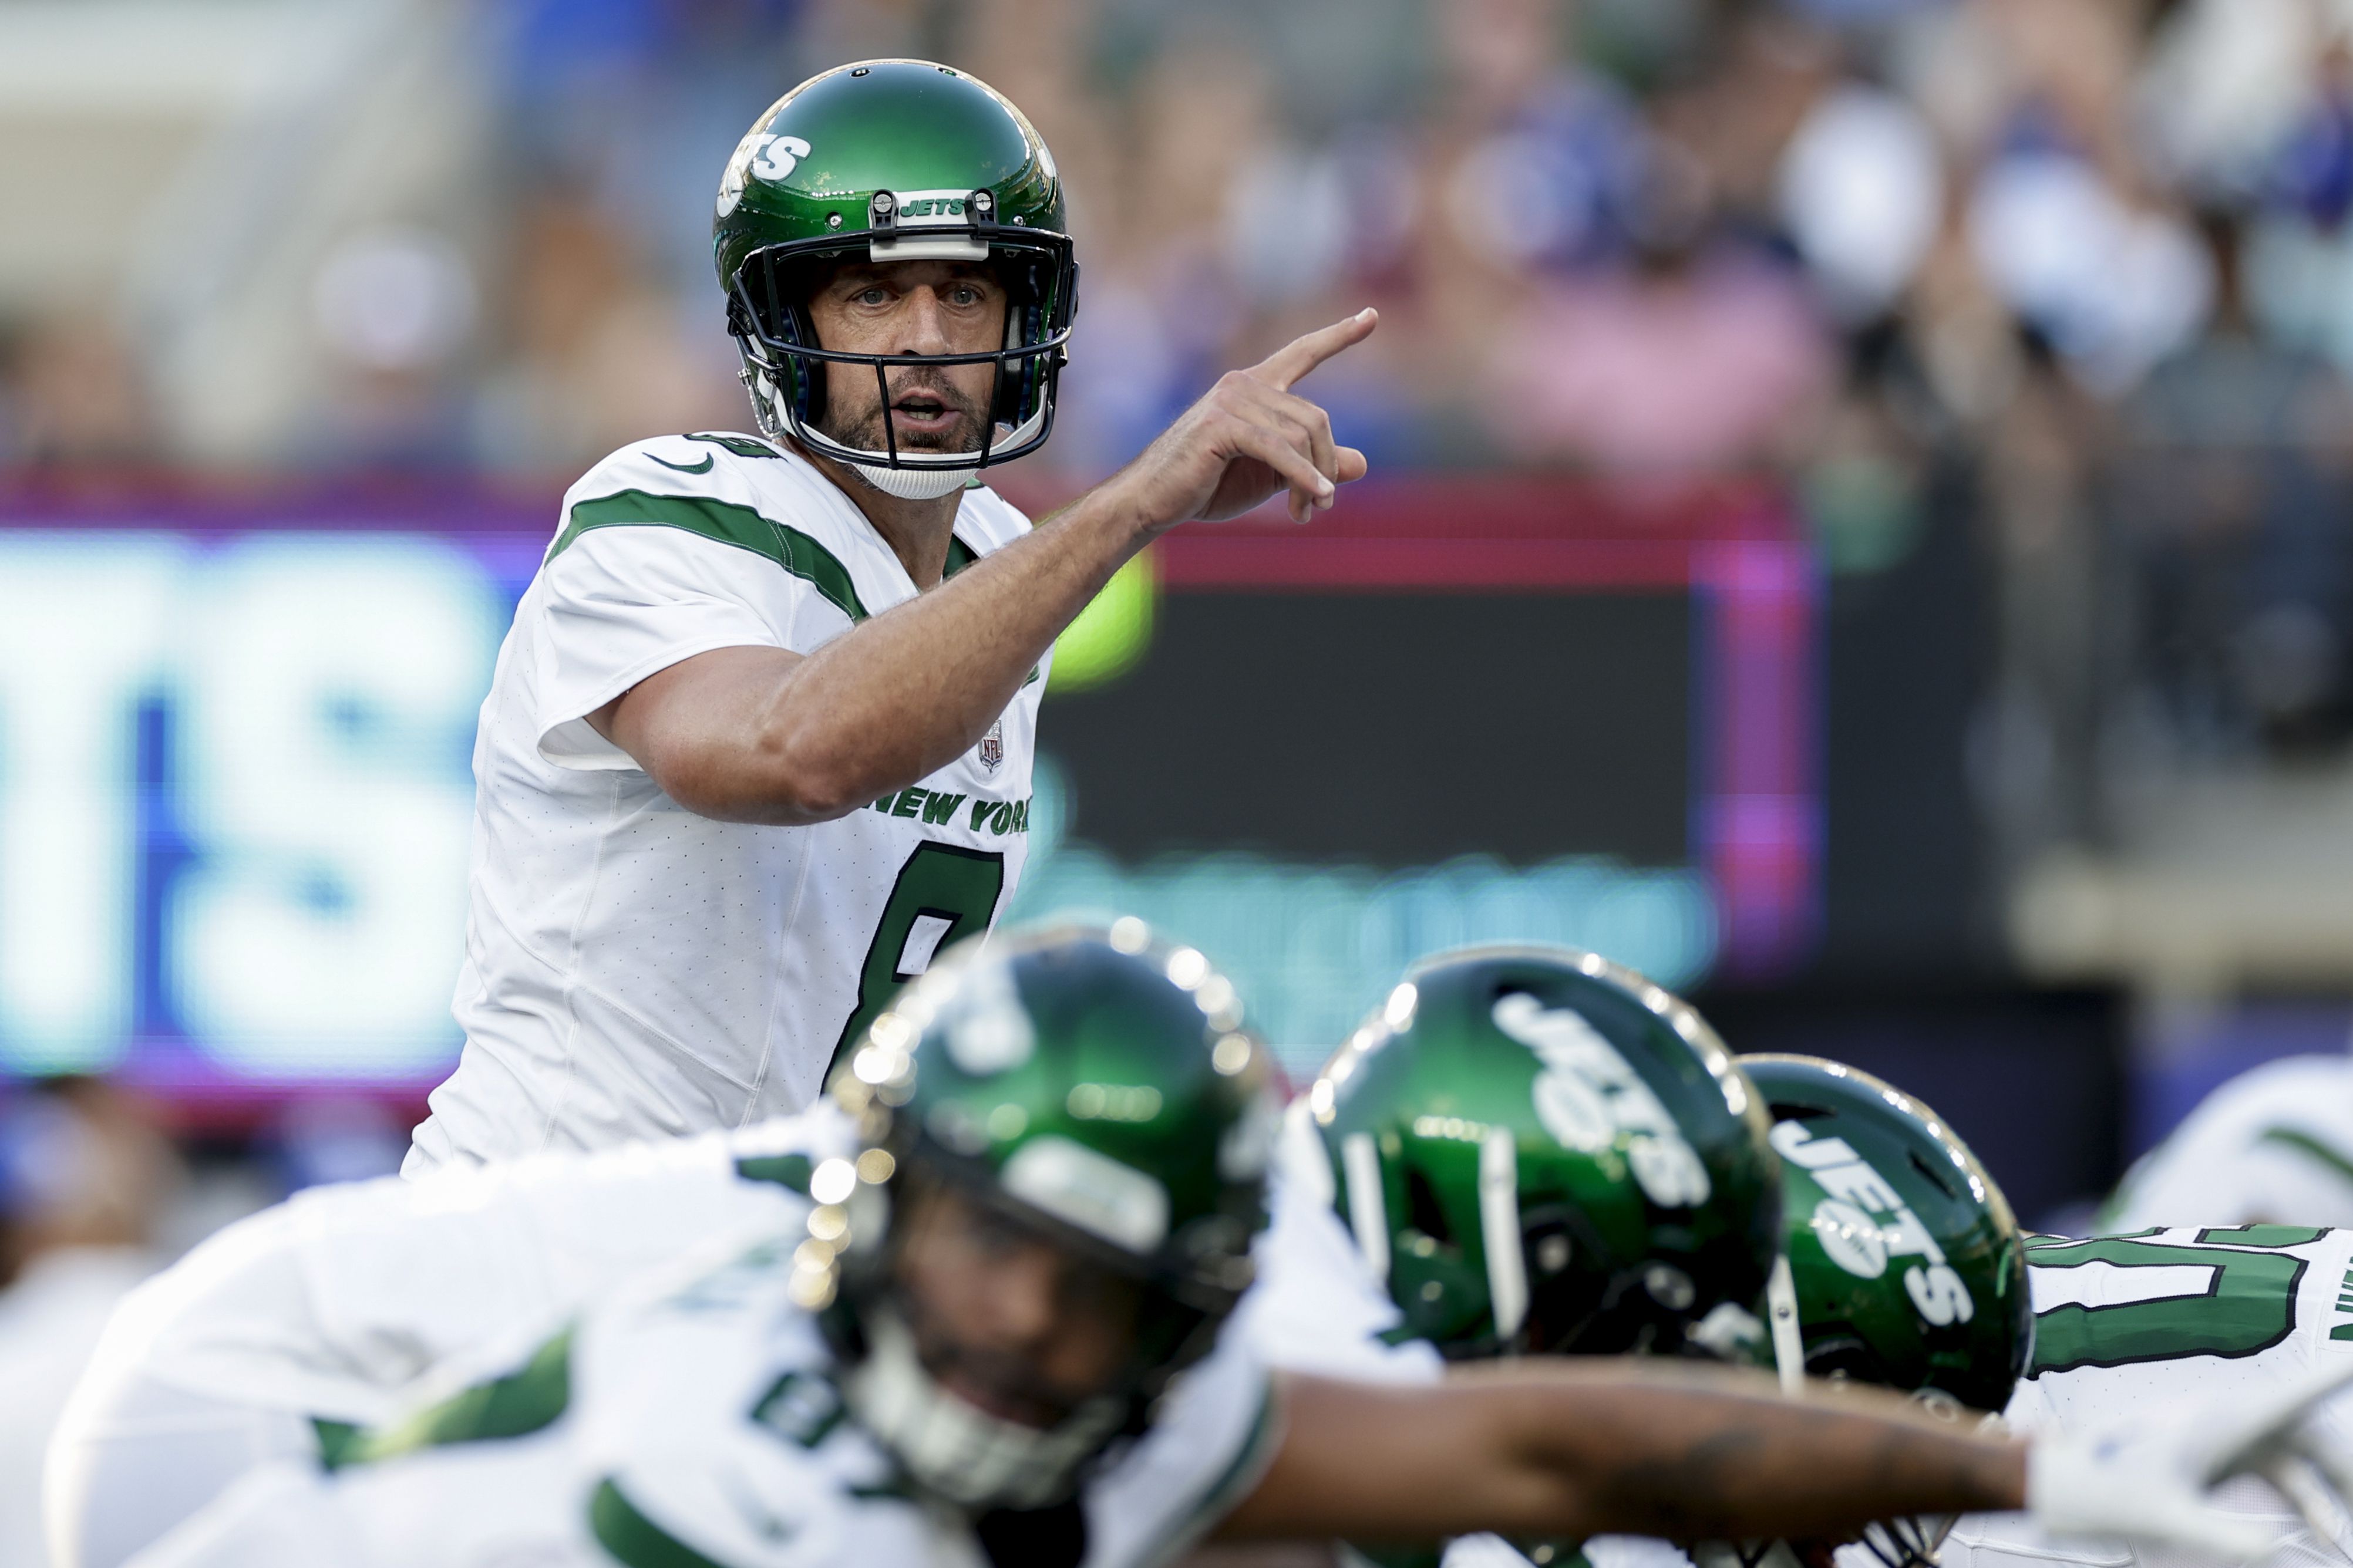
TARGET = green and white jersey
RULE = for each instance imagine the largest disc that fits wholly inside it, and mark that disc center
(2155, 1327)
(1317, 1306)
(632, 969)
(339, 1303)
(2273, 1145)
(695, 1419)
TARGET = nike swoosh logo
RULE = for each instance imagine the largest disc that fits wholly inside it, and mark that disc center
(701, 468)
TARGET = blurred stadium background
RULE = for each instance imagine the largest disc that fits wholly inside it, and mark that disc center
(1861, 531)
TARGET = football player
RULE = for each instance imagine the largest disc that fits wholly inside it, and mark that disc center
(2139, 1327)
(2273, 1145)
(1904, 1267)
(281, 1335)
(1907, 1271)
(996, 1332)
(1523, 1150)
(760, 740)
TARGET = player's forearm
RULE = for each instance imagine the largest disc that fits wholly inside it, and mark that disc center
(1698, 1460)
(1582, 1447)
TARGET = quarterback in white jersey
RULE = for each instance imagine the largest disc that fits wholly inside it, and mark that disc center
(2152, 1328)
(760, 739)
(2275, 1144)
(634, 968)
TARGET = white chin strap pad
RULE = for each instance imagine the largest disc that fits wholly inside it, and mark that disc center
(957, 1450)
(913, 484)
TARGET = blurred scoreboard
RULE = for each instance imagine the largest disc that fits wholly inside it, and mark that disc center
(236, 798)
(1454, 709)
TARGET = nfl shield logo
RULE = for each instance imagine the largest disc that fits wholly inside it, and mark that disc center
(992, 747)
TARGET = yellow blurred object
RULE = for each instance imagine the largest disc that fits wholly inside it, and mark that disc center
(1111, 634)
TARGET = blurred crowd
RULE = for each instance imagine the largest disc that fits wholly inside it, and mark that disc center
(2079, 269)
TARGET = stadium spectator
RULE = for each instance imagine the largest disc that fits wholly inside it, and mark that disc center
(83, 1175)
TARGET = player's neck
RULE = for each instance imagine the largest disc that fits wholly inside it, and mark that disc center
(918, 531)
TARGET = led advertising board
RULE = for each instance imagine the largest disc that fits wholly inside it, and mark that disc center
(236, 798)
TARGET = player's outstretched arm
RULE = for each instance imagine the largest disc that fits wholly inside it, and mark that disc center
(759, 734)
(1571, 1448)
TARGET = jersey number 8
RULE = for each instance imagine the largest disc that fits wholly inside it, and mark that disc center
(945, 893)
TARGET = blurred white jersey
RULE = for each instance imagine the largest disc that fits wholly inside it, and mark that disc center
(2156, 1327)
(695, 1418)
(1319, 1309)
(1317, 1306)
(632, 969)
(337, 1308)
(2273, 1145)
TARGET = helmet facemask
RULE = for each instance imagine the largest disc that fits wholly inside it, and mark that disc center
(784, 364)
(951, 1447)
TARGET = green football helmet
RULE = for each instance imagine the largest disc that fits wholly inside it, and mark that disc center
(1906, 1266)
(1540, 1151)
(895, 160)
(1092, 1088)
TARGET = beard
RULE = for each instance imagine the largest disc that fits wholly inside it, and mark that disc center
(862, 427)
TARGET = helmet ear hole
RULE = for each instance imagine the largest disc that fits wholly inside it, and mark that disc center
(1423, 1211)
(1933, 1177)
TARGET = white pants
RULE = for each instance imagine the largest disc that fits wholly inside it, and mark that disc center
(133, 1457)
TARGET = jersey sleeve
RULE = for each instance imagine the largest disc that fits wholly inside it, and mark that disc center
(663, 554)
(624, 603)
(1316, 1307)
(1211, 1442)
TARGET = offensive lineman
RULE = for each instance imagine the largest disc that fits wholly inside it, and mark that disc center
(971, 1346)
(759, 742)
(2174, 1318)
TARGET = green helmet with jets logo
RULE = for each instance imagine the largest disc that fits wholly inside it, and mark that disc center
(1905, 1267)
(1543, 1151)
(895, 160)
(1093, 1088)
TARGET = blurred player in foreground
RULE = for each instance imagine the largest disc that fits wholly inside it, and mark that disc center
(759, 742)
(1523, 1151)
(2125, 1329)
(969, 1345)
(1905, 1270)
(2177, 1319)
(1501, 1214)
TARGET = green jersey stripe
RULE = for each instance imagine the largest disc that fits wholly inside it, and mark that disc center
(791, 1172)
(725, 523)
(635, 1541)
(1234, 1483)
(2312, 1148)
(525, 1401)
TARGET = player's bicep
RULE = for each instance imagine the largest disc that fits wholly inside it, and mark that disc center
(1387, 1463)
(698, 729)
(620, 605)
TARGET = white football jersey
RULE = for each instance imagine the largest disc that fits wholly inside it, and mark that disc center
(2275, 1145)
(695, 1418)
(335, 1303)
(632, 969)
(341, 1307)
(2157, 1327)
(1317, 1306)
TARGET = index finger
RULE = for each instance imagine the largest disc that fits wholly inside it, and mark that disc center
(1294, 360)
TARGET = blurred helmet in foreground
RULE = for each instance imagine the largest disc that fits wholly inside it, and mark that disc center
(1539, 1150)
(1092, 1088)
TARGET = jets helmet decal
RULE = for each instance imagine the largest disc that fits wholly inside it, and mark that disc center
(1540, 1151)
